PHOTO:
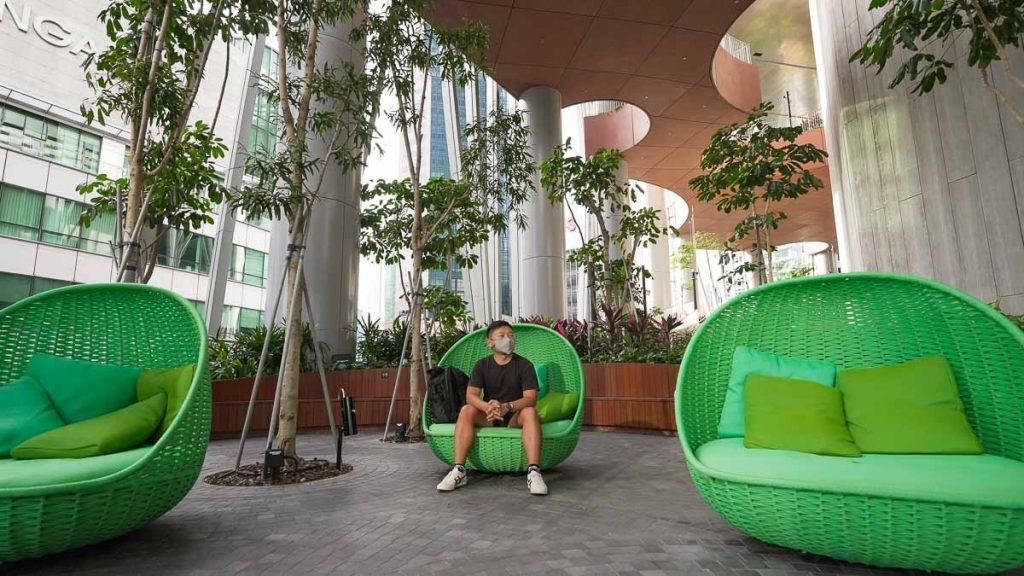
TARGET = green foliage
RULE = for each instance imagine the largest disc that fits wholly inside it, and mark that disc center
(239, 358)
(801, 272)
(149, 76)
(920, 28)
(592, 184)
(333, 105)
(619, 337)
(749, 167)
(685, 256)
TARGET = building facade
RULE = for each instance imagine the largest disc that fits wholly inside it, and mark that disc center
(47, 150)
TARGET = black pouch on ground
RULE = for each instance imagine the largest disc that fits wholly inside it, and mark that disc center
(447, 388)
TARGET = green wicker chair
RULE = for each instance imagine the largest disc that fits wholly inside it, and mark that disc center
(859, 320)
(115, 324)
(501, 449)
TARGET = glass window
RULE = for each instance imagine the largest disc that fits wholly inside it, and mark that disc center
(20, 212)
(13, 287)
(248, 266)
(185, 251)
(200, 307)
(44, 284)
(97, 237)
(237, 270)
(60, 221)
(229, 319)
(249, 318)
(255, 267)
(38, 136)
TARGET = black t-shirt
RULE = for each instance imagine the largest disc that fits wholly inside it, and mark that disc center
(504, 383)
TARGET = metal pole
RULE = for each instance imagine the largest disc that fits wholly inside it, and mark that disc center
(320, 366)
(292, 308)
(398, 377)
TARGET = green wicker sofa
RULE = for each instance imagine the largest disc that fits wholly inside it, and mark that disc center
(501, 449)
(962, 514)
(47, 506)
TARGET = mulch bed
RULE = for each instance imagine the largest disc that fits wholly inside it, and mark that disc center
(252, 474)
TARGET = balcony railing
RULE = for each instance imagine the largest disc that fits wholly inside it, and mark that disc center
(738, 48)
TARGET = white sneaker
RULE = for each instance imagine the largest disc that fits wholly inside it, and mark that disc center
(455, 479)
(535, 482)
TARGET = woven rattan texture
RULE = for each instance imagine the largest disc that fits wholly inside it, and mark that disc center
(539, 345)
(860, 320)
(116, 324)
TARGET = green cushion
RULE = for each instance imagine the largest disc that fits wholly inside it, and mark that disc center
(909, 408)
(542, 380)
(548, 429)
(747, 361)
(25, 411)
(115, 432)
(54, 471)
(983, 480)
(558, 406)
(174, 383)
(791, 414)
(82, 390)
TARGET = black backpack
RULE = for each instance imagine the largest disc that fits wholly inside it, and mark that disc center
(447, 388)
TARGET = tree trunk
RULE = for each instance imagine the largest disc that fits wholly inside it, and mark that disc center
(133, 209)
(287, 424)
(415, 368)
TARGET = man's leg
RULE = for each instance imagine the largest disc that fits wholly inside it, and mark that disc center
(465, 431)
(528, 420)
(469, 419)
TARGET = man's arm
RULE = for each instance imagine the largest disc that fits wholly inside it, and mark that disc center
(474, 398)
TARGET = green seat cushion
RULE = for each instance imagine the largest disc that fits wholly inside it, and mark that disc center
(25, 411)
(82, 390)
(542, 380)
(909, 408)
(115, 432)
(747, 361)
(548, 429)
(54, 471)
(558, 406)
(981, 480)
(792, 414)
(172, 382)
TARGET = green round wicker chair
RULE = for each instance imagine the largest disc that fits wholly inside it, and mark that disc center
(499, 449)
(124, 324)
(859, 320)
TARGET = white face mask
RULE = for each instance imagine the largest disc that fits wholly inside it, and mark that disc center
(505, 345)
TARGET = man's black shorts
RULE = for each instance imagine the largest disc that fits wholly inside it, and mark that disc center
(503, 423)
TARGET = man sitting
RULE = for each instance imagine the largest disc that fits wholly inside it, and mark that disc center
(510, 384)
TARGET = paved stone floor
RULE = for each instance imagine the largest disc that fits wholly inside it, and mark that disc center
(622, 504)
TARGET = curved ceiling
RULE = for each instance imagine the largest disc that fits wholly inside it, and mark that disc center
(654, 54)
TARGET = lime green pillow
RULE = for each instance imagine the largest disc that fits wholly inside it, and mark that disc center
(557, 406)
(542, 380)
(107, 434)
(799, 415)
(82, 390)
(747, 361)
(174, 383)
(25, 411)
(909, 408)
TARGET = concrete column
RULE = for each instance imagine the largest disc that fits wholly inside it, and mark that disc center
(542, 250)
(824, 262)
(224, 240)
(658, 255)
(332, 256)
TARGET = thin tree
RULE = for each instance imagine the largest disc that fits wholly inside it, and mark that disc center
(438, 220)
(749, 168)
(149, 78)
(327, 113)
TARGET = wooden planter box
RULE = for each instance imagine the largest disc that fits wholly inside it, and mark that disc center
(635, 396)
